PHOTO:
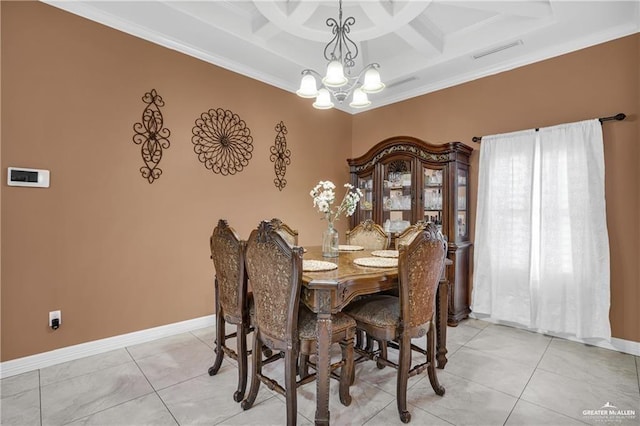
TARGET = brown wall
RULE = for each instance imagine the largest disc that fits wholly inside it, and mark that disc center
(594, 82)
(113, 252)
(117, 254)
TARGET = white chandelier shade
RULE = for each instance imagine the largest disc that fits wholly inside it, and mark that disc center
(372, 83)
(335, 75)
(338, 83)
(360, 99)
(308, 88)
(323, 100)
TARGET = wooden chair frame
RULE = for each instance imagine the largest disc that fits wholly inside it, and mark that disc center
(289, 234)
(407, 236)
(406, 329)
(261, 246)
(228, 255)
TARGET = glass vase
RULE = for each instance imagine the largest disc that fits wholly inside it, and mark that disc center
(330, 242)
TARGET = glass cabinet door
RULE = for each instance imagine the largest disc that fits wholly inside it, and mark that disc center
(397, 188)
(365, 206)
(433, 196)
(462, 204)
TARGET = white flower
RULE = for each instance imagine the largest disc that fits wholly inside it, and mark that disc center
(324, 196)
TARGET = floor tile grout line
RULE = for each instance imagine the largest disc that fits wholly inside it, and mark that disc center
(638, 371)
(81, 375)
(152, 387)
(584, 347)
(40, 395)
(426, 411)
(378, 412)
(488, 386)
(202, 340)
(541, 369)
(84, 374)
(536, 367)
(109, 408)
(123, 402)
(524, 388)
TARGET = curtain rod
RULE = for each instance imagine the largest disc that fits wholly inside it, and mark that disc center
(618, 117)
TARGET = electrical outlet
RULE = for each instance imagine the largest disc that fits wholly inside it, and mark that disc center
(55, 315)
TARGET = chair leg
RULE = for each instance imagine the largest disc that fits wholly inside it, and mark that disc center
(369, 346)
(220, 339)
(242, 362)
(256, 357)
(360, 339)
(303, 367)
(404, 364)
(431, 357)
(290, 361)
(382, 345)
(346, 372)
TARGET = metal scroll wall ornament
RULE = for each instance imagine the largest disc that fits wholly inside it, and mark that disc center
(152, 135)
(222, 141)
(280, 156)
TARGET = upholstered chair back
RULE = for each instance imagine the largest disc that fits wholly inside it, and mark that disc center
(227, 252)
(275, 272)
(420, 267)
(369, 235)
(407, 236)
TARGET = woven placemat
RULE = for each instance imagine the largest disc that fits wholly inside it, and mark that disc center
(377, 262)
(311, 265)
(344, 247)
(385, 253)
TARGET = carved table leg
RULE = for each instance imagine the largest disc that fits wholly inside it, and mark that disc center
(442, 303)
(323, 357)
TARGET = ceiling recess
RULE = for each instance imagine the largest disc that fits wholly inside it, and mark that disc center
(497, 49)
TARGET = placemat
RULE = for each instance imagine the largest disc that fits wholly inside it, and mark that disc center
(311, 265)
(343, 247)
(377, 262)
(385, 253)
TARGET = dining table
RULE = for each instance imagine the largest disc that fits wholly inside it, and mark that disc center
(327, 292)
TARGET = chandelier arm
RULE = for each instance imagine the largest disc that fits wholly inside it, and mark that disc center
(347, 89)
(373, 65)
(314, 73)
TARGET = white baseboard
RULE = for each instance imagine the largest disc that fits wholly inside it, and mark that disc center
(70, 353)
(620, 345)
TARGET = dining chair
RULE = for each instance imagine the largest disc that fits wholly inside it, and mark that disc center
(406, 236)
(285, 325)
(369, 235)
(232, 300)
(289, 234)
(411, 315)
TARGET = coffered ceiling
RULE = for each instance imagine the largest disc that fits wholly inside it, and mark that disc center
(421, 45)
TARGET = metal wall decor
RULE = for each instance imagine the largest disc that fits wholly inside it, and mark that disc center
(222, 141)
(280, 156)
(152, 135)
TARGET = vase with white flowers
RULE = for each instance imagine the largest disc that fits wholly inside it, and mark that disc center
(323, 198)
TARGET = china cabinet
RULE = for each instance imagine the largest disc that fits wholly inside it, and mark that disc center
(405, 180)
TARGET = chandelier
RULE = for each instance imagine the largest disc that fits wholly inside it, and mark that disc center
(341, 53)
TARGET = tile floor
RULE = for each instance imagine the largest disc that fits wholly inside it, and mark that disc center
(496, 375)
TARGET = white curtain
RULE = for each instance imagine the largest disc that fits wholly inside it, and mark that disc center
(541, 256)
